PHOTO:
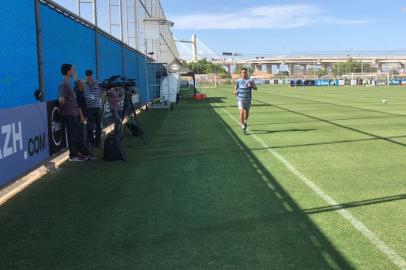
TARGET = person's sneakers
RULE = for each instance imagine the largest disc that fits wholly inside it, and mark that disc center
(244, 128)
(76, 159)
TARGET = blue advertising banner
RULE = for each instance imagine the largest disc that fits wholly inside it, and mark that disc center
(23, 140)
(394, 82)
(322, 82)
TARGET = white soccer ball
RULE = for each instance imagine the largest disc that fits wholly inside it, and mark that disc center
(384, 101)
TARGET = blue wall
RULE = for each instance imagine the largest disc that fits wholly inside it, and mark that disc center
(130, 64)
(143, 79)
(64, 41)
(18, 54)
(110, 57)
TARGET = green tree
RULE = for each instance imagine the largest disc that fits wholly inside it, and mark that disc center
(322, 72)
(203, 66)
(351, 66)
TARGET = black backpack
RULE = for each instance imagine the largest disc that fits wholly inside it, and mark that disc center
(112, 149)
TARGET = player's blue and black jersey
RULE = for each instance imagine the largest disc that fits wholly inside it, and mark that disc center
(243, 92)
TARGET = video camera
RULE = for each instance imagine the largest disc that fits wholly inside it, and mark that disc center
(119, 81)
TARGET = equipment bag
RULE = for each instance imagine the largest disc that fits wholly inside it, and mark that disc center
(112, 149)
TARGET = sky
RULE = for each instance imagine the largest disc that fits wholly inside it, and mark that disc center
(268, 27)
(260, 27)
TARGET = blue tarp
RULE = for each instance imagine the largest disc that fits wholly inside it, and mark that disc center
(143, 79)
(110, 57)
(18, 53)
(130, 64)
(75, 44)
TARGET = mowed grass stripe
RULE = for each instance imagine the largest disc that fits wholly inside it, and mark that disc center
(191, 198)
(357, 224)
(315, 101)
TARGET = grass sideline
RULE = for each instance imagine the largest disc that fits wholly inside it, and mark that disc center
(195, 196)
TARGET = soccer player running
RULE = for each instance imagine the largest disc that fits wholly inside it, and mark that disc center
(243, 89)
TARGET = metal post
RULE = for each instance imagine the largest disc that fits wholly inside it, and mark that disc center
(194, 48)
(96, 40)
(95, 13)
(126, 13)
(122, 38)
(136, 25)
(109, 8)
(39, 49)
(78, 3)
(121, 20)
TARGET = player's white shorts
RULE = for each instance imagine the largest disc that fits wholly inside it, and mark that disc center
(244, 104)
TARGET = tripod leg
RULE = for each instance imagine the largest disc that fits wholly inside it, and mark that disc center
(136, 122)
(123, 114)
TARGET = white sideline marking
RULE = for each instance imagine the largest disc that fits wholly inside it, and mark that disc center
(357, 224)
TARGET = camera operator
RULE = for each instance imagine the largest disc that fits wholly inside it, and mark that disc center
(70, 112)
(92, 94)
(116, 108)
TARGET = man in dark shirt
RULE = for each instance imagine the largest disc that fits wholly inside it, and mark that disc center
(83, 115)
(70, 112)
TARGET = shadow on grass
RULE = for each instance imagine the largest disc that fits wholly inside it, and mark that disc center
(355, 204)
(186, 200)
(330, 143)
(255, 131)
(235, 106)
(316, 121)
(303, 245)
(339, 125)
(340, 105)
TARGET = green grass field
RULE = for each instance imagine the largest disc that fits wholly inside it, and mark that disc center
(318, 183)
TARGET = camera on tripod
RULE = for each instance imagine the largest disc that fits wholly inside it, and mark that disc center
(121, 82)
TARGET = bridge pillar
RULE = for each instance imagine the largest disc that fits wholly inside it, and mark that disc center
(303, 68)
(325, 67)
(291, 69)
(228, 67)
(269, 68)
(258, 67)
(252, 66)
(380, 67)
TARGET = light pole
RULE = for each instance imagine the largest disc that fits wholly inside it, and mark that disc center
(194, 46)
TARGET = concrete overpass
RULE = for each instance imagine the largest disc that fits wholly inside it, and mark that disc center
(305, 61)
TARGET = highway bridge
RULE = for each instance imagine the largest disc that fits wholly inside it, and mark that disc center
(265, 64)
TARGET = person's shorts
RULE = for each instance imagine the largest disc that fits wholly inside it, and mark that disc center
(244, 104)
